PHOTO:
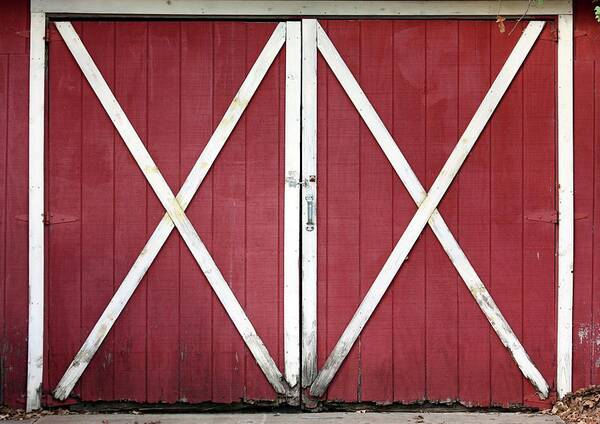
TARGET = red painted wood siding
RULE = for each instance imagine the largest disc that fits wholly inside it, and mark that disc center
(174, 341)
(428, 340)
(408, 342)
(14, 83)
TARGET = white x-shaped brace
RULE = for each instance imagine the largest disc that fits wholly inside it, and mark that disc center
(176, 217)
(175, 206)
(427, 212)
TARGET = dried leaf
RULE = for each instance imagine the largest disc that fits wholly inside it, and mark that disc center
(500, 21)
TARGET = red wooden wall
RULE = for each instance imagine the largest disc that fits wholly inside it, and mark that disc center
(427, 338)
(14, 70)
(174, 341)
(13, 208)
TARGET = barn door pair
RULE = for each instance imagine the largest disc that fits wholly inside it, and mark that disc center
(294, 363)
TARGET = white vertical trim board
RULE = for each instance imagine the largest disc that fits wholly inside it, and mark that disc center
(564, 345)
(291, 237)
(427, 203)
(35, 339)
(309, 168)
(175, 216)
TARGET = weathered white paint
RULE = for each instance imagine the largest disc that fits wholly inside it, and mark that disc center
(35, 339)
(175, 210)
(564, 345)
(291, 236)
(427, 203)
(301, 8)
(309, 167)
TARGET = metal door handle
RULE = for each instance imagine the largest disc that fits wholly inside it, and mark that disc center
(310, 211)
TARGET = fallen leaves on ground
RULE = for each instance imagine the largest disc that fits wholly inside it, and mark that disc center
(20, 414)
(580, 407)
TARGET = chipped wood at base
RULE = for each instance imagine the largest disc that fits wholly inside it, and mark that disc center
(175, 208)
(309, 167)
(291, 242)
(35, 332)
(427, 210)
(564, 341)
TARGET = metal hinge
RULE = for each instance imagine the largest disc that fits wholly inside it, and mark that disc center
(550, 217)
(51, 218)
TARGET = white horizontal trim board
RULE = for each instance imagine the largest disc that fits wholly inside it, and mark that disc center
(427, 204)
(301, 8)
(175, 216)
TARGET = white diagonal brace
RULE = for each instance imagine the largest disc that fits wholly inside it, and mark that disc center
(175, 207)
(427, 210)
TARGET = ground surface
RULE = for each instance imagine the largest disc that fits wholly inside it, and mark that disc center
(320, 418)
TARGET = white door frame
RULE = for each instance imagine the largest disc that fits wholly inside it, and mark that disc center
(42, 10)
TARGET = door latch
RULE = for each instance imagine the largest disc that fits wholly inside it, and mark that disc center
(293, 181)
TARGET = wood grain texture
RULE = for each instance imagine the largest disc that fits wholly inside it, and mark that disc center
(539, 194)
(131, 224)
(97, 188)
(409, 311)
(163, 354)
(197, 125)
(16, 273)
(130, 329)
(376, 211)
(474, 215)
(441, 324)
(64, 186)
(506, 283)
(377, 127)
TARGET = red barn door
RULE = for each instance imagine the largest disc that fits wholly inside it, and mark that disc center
(215, 273)
(393, 98)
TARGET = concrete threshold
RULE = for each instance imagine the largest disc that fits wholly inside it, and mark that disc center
(306, 418)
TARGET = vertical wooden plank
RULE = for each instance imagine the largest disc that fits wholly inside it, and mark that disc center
(4, 61)
(229, 229)
(584, 124)
(64, 198)
(291, 248)
(97, 210)
(376, 210)
(261, 209)
(564, 359)
(35, 333)
(15, 371)
(409, 131)
(196, 129)
(585, 350)
(14, 28)
(343, 214)
(595, 358)
(506, 284)
(131, 226)
(309, 167)
(324, 77)
(539, 182)
(163, 145)
(442, 134)
(474, 215)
